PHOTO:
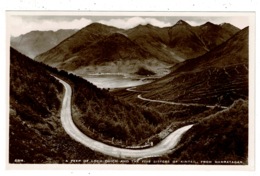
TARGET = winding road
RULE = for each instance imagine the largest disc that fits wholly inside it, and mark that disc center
(132, 89)
(165, 146)
(175, 103)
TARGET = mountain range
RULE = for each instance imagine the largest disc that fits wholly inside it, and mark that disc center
(36, 42)
(102, 48)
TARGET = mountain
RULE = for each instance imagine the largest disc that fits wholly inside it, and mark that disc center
(229, 27)
(112, 48)
(101, 48)
(84, 37)
(218, 77)
(193, 41)
(213, 35)
(181, 41)
(154, 40)
(185, 41)
(36, 42)
(233, 51)
(99, 45)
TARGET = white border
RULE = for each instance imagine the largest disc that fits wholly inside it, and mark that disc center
(182, 14)
(126, 5)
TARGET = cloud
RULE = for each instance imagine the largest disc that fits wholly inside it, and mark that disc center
(18, 25)
(127, 23)
(238, 21)
(195, 23)
(75, 24)
(21, 24)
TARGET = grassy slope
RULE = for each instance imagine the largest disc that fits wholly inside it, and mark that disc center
(36, 134)
(222, 136)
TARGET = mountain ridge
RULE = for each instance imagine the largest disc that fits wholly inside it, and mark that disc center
(168, 45)
(36, 42)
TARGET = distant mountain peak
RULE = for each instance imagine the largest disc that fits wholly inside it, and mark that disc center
(148, 25)
(222, 24)
(209, 24)
(181, 22)
(228, 25)
(96, 26)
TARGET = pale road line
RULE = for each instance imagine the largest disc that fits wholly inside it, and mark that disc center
(131, 89)
(174, 103)
(162, 148)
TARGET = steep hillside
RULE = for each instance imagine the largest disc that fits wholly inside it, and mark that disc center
(37, 42)
(218, 77)
(230, 28)
(221, 138)
(35, 131)
(233, 51)
(193, 41)
(84, 37)
(213, 35)
(115, 47)
(154, 40)
(185, 42)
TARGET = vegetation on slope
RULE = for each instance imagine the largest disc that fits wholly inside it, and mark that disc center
(35, 131)
(102, 116)
(219, 137)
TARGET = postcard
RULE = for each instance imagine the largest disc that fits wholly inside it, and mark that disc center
(130, 89)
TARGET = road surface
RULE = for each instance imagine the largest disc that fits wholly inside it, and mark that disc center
(132, 89)
(162, 148)
(175, 103)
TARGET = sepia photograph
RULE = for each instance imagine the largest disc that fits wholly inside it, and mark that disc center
(130, 88)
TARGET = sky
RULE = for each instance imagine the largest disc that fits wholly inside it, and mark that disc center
(21, 24)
